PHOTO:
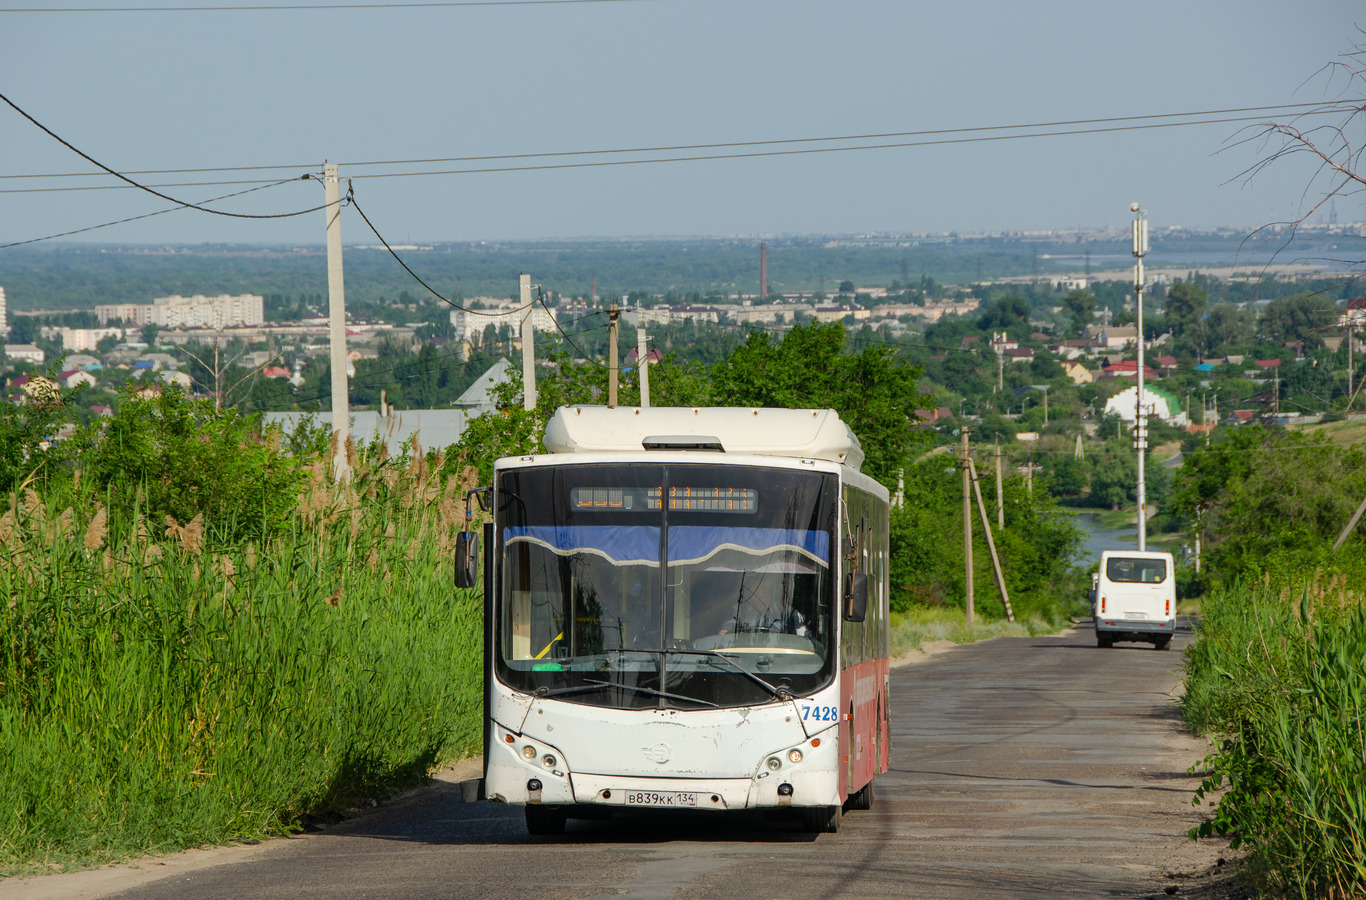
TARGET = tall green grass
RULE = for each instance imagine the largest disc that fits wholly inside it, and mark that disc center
(159, 691)
(1278, 678)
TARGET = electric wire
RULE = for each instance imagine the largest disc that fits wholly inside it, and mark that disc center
(351, 198)
(658, 160)
(448, 4)
(159, 212)
(143, 187)
(714, 146)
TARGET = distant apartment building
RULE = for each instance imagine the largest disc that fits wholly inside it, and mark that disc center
(4, 321)
(79, 338)
(471, 324)
(133, 315)
(198, 311)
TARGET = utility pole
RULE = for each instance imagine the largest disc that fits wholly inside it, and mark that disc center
(528, 347)
(1140, 415)
(1000, 494)
(967, 529)
(641, 341)
(336, 321)
(612, 368)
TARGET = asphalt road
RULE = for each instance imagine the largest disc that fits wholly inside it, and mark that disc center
(1021, 768)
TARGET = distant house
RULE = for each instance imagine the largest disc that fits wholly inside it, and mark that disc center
(1166, 364)
(1077, 372)
(175, 376)
(36, 388)
(275, 372)
(967, 342)
(937, 416)
(1020, 355)
(1268, 364)
(1354, 312)
(25, 353)
(74, 378)
(1126, 368)
(1241, 416)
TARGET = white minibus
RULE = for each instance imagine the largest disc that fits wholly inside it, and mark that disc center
(1134, 598)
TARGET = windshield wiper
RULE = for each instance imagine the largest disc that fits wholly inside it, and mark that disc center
(778, 692)
(593, 685)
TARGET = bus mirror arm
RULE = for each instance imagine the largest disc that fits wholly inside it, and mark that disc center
(855, 597)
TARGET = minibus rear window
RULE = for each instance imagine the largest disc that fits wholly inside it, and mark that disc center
(1136, 571)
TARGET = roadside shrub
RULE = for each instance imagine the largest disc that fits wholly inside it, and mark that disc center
(171, 455)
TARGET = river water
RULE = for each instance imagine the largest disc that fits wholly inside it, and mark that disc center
(1100, 538)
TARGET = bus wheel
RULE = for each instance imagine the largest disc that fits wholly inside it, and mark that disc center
(1163, 643)
(820, 819)
(547, 820)
(1104, 639)
(863, 797)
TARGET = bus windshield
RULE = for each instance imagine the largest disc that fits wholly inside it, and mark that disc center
(681, 586)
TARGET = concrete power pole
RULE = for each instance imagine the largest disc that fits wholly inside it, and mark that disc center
(336, 321)
(528, 346)
(613, 369)
(641, 354)
(1140, 415)
(967, 530)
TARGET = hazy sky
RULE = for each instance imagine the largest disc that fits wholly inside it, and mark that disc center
(149, 91)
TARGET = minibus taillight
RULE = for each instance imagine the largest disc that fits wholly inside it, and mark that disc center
(1102, 604)
(1168, 611)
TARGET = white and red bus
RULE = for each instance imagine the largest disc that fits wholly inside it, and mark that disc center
(686, 608)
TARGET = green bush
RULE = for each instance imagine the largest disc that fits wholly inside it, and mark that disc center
(179, 457)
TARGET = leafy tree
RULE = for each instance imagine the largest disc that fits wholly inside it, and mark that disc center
(1114, 477)
(1302, 317)
(1227, 325)
(28, 451)
(22, 330)
(810, 368)
(1263, 495)
(1005, 313)
(148, 335)
(1185, 313)
(1081, 306)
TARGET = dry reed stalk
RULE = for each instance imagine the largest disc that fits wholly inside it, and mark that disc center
(336, 598)
(96, 530)
(7, 527)
(192, 535)
(251, 556)
(372, 560)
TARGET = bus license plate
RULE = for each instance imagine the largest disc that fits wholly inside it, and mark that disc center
(661, 798)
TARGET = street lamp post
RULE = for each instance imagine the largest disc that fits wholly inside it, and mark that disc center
(1140, 415)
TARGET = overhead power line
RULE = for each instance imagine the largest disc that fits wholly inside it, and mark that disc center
(309, 7)
(949, 137)
(672, 148)
(183, 203)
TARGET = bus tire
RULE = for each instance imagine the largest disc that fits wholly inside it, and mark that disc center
(1163, 643)
(1104, 639)
(862, 798)
(545, 820)
(821, 819)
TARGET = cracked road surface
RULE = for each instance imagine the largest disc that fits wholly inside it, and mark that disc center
(1021, 768)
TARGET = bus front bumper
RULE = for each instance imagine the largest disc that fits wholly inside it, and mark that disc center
(520, 776)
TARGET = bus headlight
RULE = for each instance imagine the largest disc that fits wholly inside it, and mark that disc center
(548, 761)
(794, 756)
(774, 763)
(528, 752)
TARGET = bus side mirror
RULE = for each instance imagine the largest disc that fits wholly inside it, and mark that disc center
(855, 597)
(466, 559)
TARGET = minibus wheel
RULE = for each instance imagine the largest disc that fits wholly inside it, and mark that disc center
(1163, 643)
